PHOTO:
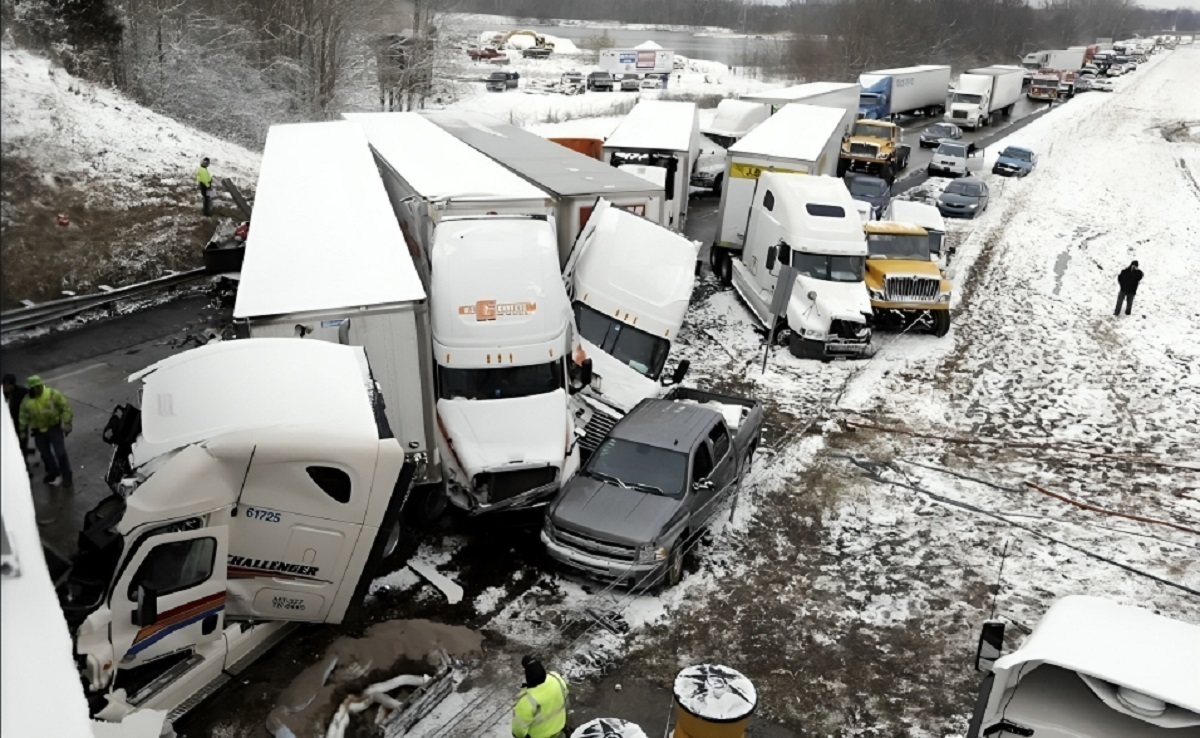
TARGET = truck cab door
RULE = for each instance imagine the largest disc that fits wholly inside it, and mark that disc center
(725, 471)
(169, 595)
(703, 485)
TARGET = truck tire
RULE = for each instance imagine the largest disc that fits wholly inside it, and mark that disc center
(941, 322)
(843, 166)
(804, 348)
(721, 261)
(674, 569)
(427, 505)
(718, 183)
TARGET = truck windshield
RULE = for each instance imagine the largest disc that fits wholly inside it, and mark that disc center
(829, 268)
(635, 348)
(869, 131)
(966, 97)
(868, 186)
(499, 383)
(868, 99)
(639, 466)
(952, 149)
(896, 246)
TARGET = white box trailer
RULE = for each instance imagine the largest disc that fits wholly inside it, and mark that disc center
(637, 61)
(840, 95)
(799, 139)
(659, 140)
(574, 181)
(338, 272)
(887, 93)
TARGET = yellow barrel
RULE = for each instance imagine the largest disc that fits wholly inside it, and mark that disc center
(608, 728)
(713, 701)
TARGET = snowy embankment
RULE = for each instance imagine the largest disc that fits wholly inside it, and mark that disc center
(849, 582)
(121, 173)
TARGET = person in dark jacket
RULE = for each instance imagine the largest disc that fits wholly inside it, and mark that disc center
(1128, 281)
(13, 394)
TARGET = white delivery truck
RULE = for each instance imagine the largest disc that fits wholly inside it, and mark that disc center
(983, 93)
(1094, 668)
(257, 485)
(484, 244)
(733, 120)
(630, 282)
(841, 95)
(811, 225)
(572, 179)
(800, 138)
(336, 271)
(659, 140)
(888, 93)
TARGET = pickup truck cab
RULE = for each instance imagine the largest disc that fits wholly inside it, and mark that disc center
(955, 159)
(501, 81)
(654, 485)
(600, 81)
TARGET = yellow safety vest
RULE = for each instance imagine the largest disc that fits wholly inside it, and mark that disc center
(43, 413)
(541, 711)
(203, 177)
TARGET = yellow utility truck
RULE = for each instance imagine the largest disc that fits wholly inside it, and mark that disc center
(876, 147)
(907, 288)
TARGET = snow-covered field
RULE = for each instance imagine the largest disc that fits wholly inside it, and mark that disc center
(850, 581)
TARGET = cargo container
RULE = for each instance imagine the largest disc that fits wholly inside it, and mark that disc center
(887, 93)
(840, 95)
(659, 140)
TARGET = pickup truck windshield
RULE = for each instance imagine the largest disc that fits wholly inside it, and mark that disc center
(868, 186)
(635, 348)
(952, 149)
(829, 268)
(499, 383)
(893, 246)
(638, 466)
(965, 97)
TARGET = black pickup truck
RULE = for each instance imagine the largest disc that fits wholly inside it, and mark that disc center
(653, 485)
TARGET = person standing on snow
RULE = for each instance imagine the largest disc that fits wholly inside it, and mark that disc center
(204, 179)
(46, 413)
(541, 709)
(1128, 280)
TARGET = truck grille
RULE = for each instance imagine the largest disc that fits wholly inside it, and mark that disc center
(598, 427)
(912, 289)
(581, 542)
(959, 114)
(849, 330)
(864, 149)
(502, 485)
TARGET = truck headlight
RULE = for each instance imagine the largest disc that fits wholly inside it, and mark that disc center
(651, 553)
(944, 297)
(875, 294)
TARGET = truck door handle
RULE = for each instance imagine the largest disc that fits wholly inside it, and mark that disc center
(208, 625)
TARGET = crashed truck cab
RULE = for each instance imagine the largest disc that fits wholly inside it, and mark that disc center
(629, 281)
(1093, 668)
(907, 287)
(257, 482)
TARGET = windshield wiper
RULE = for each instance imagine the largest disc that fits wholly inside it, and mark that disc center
(607, 478)
(649, 488)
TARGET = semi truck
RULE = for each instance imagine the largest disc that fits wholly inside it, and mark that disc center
(257, 484)
(889, 93)
(800, 138)
(630, 282)
(907, 288)
(983, 93)
(840, 95)
(876, 147)
(572, 180)
(659, 140)
(1044, 85)
(810, 225)
(484, 244)
(1071, 59)
(1090, 667)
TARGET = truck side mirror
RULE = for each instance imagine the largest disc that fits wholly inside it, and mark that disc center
(785, 253)
(772, 252)
(146, 611)
(703, 485)
(991, 645)
(681, 370)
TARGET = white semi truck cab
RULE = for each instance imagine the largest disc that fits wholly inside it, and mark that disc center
(629, 281)
(503, 340)
(1091, 669)
(257, 484)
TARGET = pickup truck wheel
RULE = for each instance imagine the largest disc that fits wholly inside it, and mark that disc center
(393, 540)
(674, 571)
(941, 322)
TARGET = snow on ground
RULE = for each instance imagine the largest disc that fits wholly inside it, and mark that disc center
(861, 560)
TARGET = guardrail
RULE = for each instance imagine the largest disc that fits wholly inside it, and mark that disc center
(35, 316)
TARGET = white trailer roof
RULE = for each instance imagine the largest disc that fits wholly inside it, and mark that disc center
(438, 165)
(906, 70)
(657, 124)
(799, 92)
(797, 131)
(737, 117)
(836, 234)
(918, 213)
(555, 168)
(250, 384)
(1120, 644)
(323, 234)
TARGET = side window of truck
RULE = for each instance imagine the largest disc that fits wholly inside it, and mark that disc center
(333, 482)
(703, 464)
(175, 566)
(719, 437)
(769, 201)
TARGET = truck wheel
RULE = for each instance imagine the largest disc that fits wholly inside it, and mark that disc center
(941, 322)
(722, 265)
(393, 540)
(718, 184)
(427, 505)
(843, 166)
(674, 570)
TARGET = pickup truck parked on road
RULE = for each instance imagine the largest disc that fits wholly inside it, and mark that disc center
(654, 485)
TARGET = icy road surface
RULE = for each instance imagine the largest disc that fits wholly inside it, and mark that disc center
(851, 579)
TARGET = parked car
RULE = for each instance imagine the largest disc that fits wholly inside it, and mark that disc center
(1015, 161)
(652, 487)
(1115, 70)
(572, 83)
(484, 54)
(537, 52)
(630, 83)
(651, 83)
(501, 81)
(955, 159)
(874, 191)
(964, 198)
(600, 81)
(1102, 85)
(935, 134)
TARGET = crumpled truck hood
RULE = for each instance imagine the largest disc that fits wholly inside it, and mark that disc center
(489, 435)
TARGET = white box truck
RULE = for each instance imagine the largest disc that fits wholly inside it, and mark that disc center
(840, 95)
(484, 243)
(572, 179)
(637, 61)
(799, 139)
(888, 93)
(660, 141)
(983, 93)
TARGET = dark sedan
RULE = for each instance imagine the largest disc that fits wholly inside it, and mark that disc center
(963, 198)
(938, 132)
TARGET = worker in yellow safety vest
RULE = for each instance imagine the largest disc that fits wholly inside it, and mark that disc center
(204, 179)
(541, 709)
(46, 414)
